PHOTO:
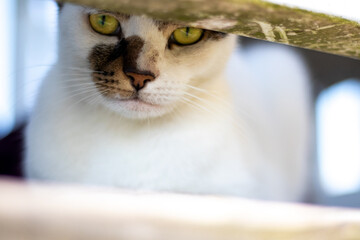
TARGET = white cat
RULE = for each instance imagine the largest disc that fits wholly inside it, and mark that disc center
(143, 104)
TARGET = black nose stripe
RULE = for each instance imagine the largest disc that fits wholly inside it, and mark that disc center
(132, 51)
(119, 50)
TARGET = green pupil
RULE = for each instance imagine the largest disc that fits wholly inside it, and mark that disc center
(102, 20)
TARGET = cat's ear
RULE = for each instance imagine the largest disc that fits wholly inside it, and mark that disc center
(60, 3)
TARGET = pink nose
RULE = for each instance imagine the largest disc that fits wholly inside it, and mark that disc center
(138, 81)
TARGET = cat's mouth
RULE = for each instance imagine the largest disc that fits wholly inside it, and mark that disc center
(137, 106)
(137, 102)
(134, 104)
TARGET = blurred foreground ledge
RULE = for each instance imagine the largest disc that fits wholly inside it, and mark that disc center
(57, 212)
(252, 18)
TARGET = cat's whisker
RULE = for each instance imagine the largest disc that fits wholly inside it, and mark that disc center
(77, 93)
(72, 78)
(91, 96)
(34, 91)
(25, 85)
(39, 66)
(76, 79)
(72, 104)
(85, 75)
(76, 84)
(197, 105)
(210, 104)
(217, 97)
(196, 88)
(189, 104)
(227, 103)
(75, 69)
(148, 125)
(209, 93)
(80, 93)
(84, 99)
(176, 112)
(97, 99)
(81, 69)
(77, 87)
(242, 126)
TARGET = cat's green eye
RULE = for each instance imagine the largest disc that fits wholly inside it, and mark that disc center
(187, 35)
(104, 24)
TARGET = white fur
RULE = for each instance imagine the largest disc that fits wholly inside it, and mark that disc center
(256, 148)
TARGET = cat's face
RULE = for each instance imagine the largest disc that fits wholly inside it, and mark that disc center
(136, 66)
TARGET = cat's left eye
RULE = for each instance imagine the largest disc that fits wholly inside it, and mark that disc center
(187, 35)
(104, 24)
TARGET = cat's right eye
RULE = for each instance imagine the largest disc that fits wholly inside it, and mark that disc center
(187, 35)
(104, 24)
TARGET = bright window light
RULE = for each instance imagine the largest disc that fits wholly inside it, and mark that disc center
(345, 8)
(7, 74)
(40, 47)
(338, 138)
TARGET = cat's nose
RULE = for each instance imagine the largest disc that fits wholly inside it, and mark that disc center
(139, 79)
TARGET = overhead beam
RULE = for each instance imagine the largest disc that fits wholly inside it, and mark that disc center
(252, 18)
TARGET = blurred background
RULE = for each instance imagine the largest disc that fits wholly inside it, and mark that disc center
(28, 49)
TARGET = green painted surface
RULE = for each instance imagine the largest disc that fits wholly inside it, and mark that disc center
(252, 18)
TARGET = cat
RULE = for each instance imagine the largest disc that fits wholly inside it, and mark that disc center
(143, 104)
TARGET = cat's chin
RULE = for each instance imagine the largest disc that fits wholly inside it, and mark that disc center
(136, 108)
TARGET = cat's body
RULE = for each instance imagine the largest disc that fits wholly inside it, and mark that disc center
(178, 130)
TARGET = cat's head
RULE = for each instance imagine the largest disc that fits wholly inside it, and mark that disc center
(134, 65)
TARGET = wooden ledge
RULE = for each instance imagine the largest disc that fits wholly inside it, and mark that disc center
(53, 212)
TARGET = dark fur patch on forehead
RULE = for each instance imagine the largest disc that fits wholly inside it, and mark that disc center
(132, 52)
(118, 50)
(128, 48)
(214, 35)
(116, 67)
